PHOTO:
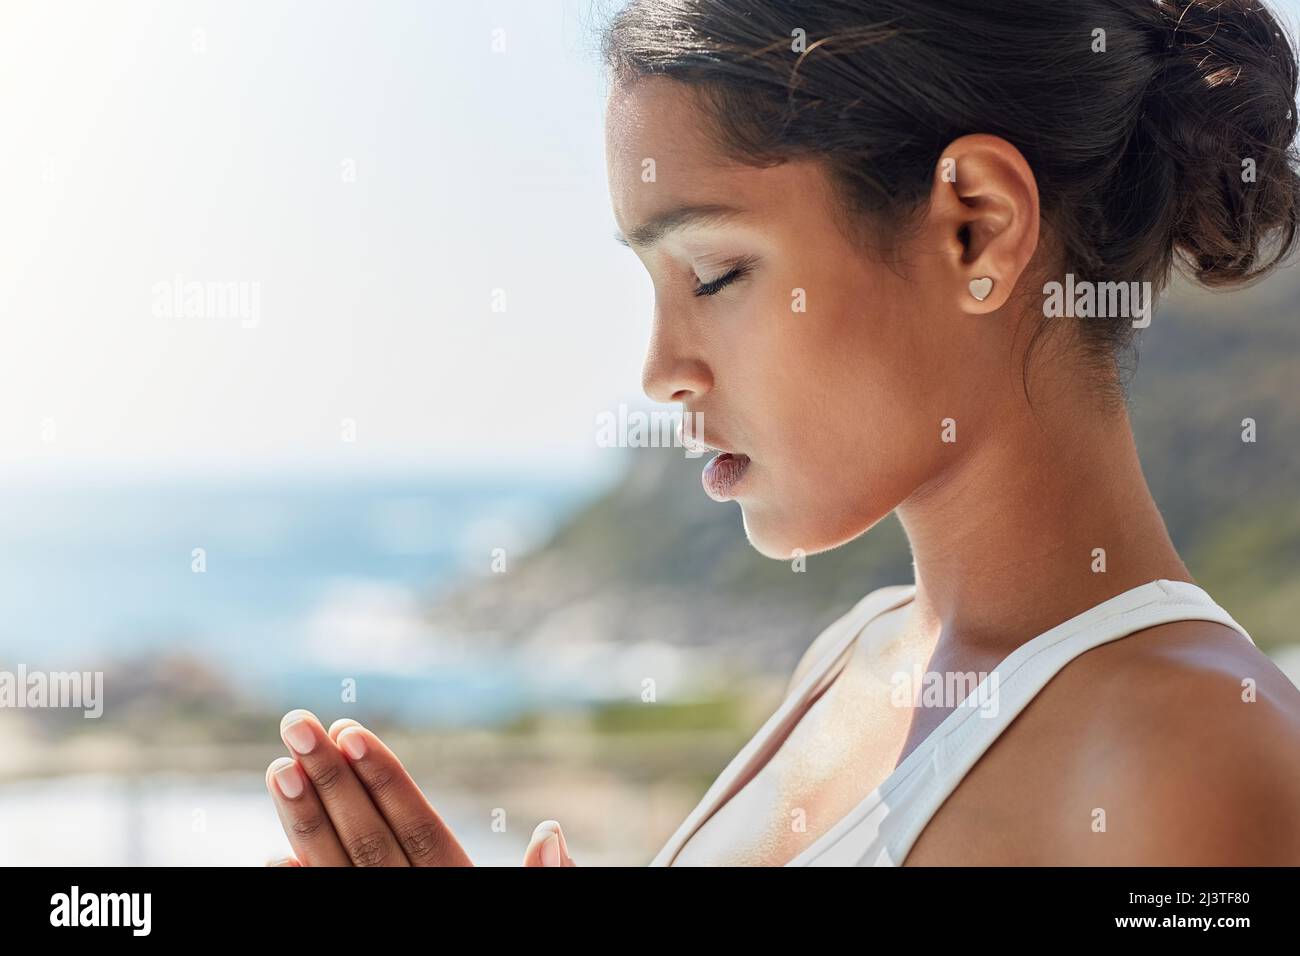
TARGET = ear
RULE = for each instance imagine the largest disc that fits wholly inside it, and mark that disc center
(984, 213)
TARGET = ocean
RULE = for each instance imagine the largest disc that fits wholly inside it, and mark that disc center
(281, 584)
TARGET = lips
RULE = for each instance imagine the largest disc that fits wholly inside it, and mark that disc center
(723, 474)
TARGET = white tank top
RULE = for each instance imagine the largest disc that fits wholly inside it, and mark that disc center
(881, 829)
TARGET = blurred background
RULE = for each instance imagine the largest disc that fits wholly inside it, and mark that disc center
(359, 471)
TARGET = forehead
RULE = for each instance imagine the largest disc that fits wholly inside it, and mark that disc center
(653, 125)
(656, 117)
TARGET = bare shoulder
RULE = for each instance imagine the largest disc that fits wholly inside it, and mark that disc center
(821, 644)
(1191, 750)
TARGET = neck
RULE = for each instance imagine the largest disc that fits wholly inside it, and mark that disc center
(1011, 538)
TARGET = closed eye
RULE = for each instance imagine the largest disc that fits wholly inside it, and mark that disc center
(717, 285)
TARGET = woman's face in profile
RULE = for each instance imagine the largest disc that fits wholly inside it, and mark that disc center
(830, 370)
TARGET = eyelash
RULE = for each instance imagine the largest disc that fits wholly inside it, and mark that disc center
(720, 283)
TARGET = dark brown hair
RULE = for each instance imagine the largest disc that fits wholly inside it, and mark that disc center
(1141, 152)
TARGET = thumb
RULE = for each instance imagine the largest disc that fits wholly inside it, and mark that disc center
(547, 846)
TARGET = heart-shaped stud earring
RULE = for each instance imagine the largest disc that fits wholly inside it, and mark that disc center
(980, 288)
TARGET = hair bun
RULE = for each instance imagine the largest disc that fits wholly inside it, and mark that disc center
(1221, 107)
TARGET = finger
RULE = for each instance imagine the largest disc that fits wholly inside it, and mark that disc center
(339, 726)
(305, 822)
(547, 847)
(421, 832)
(361, 829)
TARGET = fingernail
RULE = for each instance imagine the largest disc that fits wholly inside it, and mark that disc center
(288, 780)
(297, 733)
(353, 743)
(551, 851)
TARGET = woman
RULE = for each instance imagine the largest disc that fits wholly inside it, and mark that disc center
(898, 247)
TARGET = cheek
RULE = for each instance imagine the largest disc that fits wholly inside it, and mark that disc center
(846, 408)
(849, 378)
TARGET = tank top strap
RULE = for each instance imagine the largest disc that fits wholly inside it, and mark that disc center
(778, 726)
(850, 627)
(962, 738)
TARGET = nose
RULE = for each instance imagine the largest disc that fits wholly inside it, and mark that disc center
(672, 371)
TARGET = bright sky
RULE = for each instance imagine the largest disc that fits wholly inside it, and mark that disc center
(369, 173)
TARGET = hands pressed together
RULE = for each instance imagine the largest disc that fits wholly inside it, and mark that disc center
(344, 799)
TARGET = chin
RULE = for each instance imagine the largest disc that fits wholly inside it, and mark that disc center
(783, 538)
(782, 533)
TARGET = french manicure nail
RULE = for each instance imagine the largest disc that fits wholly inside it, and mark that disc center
(551, 851)
(299, 736)
(289, 780)
(353, 743)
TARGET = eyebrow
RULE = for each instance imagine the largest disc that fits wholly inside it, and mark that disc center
(653, 230)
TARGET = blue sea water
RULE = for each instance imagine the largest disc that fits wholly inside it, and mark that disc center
(302, 580)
